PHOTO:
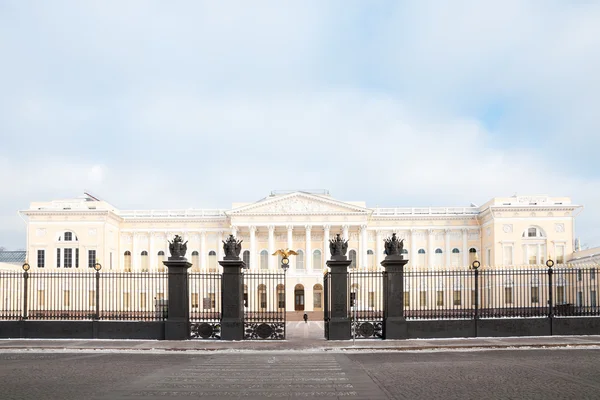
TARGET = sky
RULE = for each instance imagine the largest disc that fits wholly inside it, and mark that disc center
(199, 104)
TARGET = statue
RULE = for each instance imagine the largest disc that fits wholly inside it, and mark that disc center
(393, 246)
(338, 248)
(232, 248)
(177, 248)
(285, 253)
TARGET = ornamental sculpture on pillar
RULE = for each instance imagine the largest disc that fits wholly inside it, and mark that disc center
(232, 248)
(338, 248)
(393, 247)
(177, 248)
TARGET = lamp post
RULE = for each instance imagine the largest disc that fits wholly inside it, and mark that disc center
(97, 267)
(550, 264)
(285, 265)
(475, 266)
(25, 295)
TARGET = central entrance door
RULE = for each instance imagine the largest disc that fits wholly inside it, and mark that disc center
(299, 298)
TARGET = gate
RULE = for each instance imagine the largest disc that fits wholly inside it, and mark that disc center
(205, 305)
(327, 303)
(264, 305)
(366, 304)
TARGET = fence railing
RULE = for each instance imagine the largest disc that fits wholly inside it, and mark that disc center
(83, 296)
(366, 307)
(264, 305)
(205, 297)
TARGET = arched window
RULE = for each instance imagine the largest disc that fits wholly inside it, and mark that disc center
(472, 255)
(300, 261)
(438, 251)
(421, 258)
(281, 297)
(246, 258)
(404, 251)
(533, 232)
(161, 258)
(195, 261)
(370, 259)
(127, 261)
(144, 255)
(455, 258)
(317, 297)
(264, 259)
(317, 260)
(535, 245)
(352, 256)
(68, 236)
(262, 294)
(212, 261)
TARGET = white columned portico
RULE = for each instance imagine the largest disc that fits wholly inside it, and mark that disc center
(447, 245)
(290, 237)
(430, 248)
(271, 262)
(326, 229)
(363, 246)
(413, 248)
(345, 232)
(465, 247)
(203, 255)
(253, 264)
(308, 251)
(379, 247)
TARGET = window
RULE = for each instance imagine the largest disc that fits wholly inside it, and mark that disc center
(456, 298)
(507, 255)
(455, 257)
(370, 259)
(246, 258)
(195, 261)
(406, 299)
(68, 236)
(318, 297)
(262, 296)
(439, 298)
(41, 258)
(560, 254)
(423, 298)
(57, 258)
(438, 251)
(195, 300)
(593, 298)
(535, 294)
(161, 258)
(508, 292)
(421, 258)
(533, 232)
(264, 259)
(472, 255)
(317, 260)
(299, 260)
(212, 261)
(352, 257)
(77, 258)
(317, 304)
(280, 296)
(579, 299)
(371, 300)
(127, 261)
(144, 256)
(438, 257)
(91, 258)
(68, 258)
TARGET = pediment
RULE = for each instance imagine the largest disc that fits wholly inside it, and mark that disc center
(299, 204)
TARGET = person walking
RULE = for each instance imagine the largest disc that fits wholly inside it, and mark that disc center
(305, 318)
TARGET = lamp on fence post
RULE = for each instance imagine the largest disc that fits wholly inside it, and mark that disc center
(475, 266)
(550, 264)
(25, 278)
(285, 265)
(97, 267)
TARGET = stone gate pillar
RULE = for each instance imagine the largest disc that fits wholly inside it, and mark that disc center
(177, 325)
(394, 322)
(340, 327)
(232, 291)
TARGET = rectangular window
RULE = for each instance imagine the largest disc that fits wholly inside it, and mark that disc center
(91, 258)
(281, 300)
(77, 258)
(195, 299)
(263, 300)
(457, 300)
(66, 298)
(68, 236)
(423, 298)
(41, 298)
(508, 295)
(560, 254)
(126, 300)
(508, 255)
(531, 232)
(372, 299)
(143, 301)
(439, 298)
(68, 258)
(57, 258)
(535, 294)
(41, 258)
(560, 295)
(92, 298)
(406, 299)
(532, 251)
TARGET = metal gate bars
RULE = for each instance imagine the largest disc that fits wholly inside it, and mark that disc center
(264, 305)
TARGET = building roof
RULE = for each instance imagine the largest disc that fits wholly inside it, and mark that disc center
(13, 256)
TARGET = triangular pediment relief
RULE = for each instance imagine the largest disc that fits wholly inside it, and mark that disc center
(299, 203)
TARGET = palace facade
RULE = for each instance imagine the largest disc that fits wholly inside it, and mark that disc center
(74, 234)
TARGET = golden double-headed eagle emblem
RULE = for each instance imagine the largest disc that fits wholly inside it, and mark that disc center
(285, 253)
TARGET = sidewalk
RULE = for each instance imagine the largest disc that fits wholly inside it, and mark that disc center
(300, 337)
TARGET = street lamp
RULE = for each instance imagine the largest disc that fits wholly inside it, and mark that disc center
(26, 266)
(97, 266)
(550, 263)
(285, 264)
(476, 264)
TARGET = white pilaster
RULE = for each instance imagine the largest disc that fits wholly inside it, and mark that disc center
(290, 237)
(326, 229)
(430, 248)
(413, 256)
(219, 247)
(271, 247)
(234, 230)
(253, 264)
(448, 249)
(151, 253)
(308, 252)
(465, 247)
(363, 246)
(203, 252)
(134, 252)
(345, 232)
(378, 247)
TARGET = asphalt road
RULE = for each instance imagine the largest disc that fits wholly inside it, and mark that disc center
(505, 374)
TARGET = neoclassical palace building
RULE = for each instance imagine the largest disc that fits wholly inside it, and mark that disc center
(508, 231)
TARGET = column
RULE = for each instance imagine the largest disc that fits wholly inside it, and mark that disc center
(177, 325)
(290, 237)
(325, 254)
(203, 252)
(271, 247)
(151, 253)
(363, 246)
(232, 295)
(234, 230)
(465, 247)
(134, 251)
(253, 264)
(308, 252)
(338, 319)
(394, 322)
(430, 248)
(219, 246)
(378, 247)
(413, 248)
(448, 249)
(345, 232)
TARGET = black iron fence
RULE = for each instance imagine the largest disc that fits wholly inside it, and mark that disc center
(205, 304)
(84, 296)
(366, 306)
(264, 305)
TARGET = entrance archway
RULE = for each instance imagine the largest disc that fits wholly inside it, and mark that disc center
(299, 297)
